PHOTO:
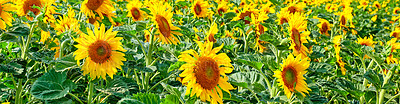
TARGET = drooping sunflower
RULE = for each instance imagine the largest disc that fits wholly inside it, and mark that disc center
(67, 23)
(101, 7)
(298, 34)
(324, 27)
(162, 15)
(257, 20)
(295, 7)
(290, 76)
(200, 9)
(345, 16)
(205, 72)
(6, 18)
(210, 34)
(50, 10)
(102, 52)
(223, 7)
(134, 11)
(25, 6)
(336, 41)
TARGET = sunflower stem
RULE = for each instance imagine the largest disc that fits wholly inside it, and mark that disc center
(80, 101)
(150, 51)
(385, 80)
(387, 102)
(23, 55)
(172, 75)
(90, 92)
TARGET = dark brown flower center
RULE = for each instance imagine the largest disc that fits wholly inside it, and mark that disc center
(92, 20)
(100, 51)
(163, 25)
(29, 4)
(324, 28)
(343, 20)
(94, 4)
(207, 72)
(292, 10)
(284, 20)
(260, 29)
(197, 9)
(289, 76)
(396, 34)
(244, 15)
(296, 38)
(135, 13)
(221, 11)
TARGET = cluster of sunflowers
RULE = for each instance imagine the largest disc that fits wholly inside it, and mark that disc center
(323, 48)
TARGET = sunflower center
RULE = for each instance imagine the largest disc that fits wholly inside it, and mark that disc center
(365, 3)
(292, 9)
(221, 11)
(284, 20)
(135, 13)
(289, 76)
(211, 38)
(29, 4)
(164, 27)
(324, 27)
(92, 20)
(364, 44)
(296, 38)
(94, 4)
(207, 72)
(100, 51)
(395, 34)
(244, 15)
(1, 9)
(343, 20)
(197, 9)
(378, 6)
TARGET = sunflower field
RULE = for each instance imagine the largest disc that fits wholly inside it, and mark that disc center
(199, 51)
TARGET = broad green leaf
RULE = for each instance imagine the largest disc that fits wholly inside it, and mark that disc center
(128, 100)
(147, 98)
(52, 85)
(66, 62)
(374, 78)
(256, 65)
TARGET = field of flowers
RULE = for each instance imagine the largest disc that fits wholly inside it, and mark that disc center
(199, 51)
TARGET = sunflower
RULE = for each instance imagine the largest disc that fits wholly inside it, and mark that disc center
(291, 78)
(377, 5)
(200, 9)
(44, 35)
(134, 11)
(283, 17)
(345, 15)
(396, 33)
(24, 6)
(366, 41)
(56, 48)
(390, 59)
(396, 10)
(324, 26)
(295, 7)
(259, 44)
(267, 8)
(298, 34)
(257, 20)
(246, 12)
(102, 52)
(6, 18)
(336, 41)
(223, 7)
(210, 34)
(205, 72)
(162, 15)
(67, 22)
(50, 10)
(363, 4)
(101, 7)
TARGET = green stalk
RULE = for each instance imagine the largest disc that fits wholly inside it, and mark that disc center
(387, 102)
(26, 45)
(172, 75)
(385, 80)
(80, 101)
(149, 53)
(268, 83)
(18, 99)
(61, 48)
(90, 92)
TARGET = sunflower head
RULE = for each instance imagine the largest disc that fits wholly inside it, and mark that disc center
(6, 17)
(200, 8)
(210, 34)
(290, 76)
(134, 11)
(100, 7)
(67, 22)
(396, 10)
(298, 34)
(283, 17)
(205, 72)
(324, 27)
(366, 41)
(162, 15)
(247, 11)
(102, 52)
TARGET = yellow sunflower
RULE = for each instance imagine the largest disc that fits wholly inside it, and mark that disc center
(396, 33)
(101, 7)
(345, 16)
(336, 41)
(50, 10)
(267, 8)
(295, 7)
(205, 72)
(246, 12)
(200, 9)
(44, 35)
(259, 44)
(57, 48)
(223, 7)
(290, 77)
(396, 10)
(324, 27)
(134, 11)
(377, 5)
(6, 18)
(393, 43)
(283, 17)
(67, 23)
(363, 4)
(162, 15)
(25, 6)
(366, 41)
(210, 34)
(102, 52)
(298, 34)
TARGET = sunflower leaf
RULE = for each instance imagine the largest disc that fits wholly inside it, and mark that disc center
(52, 85)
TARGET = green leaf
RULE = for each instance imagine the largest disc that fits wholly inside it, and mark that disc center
(128, 100)
(147, 98)
(66, 62)
(170, 99)
(45, 56)
(13, 68)
(373, 77)
(256, 65)
(52, 85)
(319, 67)
(116, 86)
(175, 66)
